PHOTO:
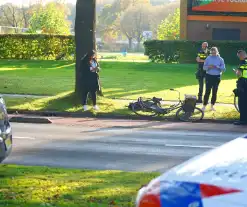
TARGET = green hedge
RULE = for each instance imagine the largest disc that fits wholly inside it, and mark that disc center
(43, 46)
(36, 46)
(185, 51)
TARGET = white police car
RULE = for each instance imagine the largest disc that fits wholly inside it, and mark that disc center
(217, 178)
(5, 132)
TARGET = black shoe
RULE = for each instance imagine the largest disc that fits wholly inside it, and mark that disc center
(199, 101)
(238, 123)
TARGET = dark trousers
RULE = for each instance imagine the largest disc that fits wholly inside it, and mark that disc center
(212, 84)
(93, 94)
(201, 81)
(242, 104)
(242, 98)
(200, 76)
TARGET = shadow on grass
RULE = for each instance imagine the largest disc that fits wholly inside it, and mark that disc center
(151, 78)
(121, 92)
(54, 77)
(67, 104)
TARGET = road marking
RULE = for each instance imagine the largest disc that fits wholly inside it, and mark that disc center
(168, 132)
(24, 138)
(161, 144)
(190, 146)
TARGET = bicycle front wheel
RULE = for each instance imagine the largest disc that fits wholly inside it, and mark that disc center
(236, 103)
(197, 115)
(142, 111)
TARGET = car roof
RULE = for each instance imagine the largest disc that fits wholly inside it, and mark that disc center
(223, 166)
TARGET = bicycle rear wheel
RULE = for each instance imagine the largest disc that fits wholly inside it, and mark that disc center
(197, 115)
(236, 103)
(143, 111)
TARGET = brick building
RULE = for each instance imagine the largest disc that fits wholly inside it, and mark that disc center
(215, 20)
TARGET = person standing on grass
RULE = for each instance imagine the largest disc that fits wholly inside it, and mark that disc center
(90, 79)
(214, 66)
(200, 73)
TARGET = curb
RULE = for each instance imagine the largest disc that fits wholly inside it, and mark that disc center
(41, 117)
(32, 120)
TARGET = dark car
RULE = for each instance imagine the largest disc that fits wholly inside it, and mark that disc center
(5, 132)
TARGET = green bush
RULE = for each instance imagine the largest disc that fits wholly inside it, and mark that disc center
(162, 50)
(51, 47)
(36, 46)
(42, 46)
(185, 51)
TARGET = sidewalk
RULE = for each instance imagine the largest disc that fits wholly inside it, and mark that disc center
(107, 123)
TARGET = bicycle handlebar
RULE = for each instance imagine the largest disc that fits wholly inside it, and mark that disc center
(179, 95)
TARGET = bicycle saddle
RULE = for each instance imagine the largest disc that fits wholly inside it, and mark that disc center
(157, 99)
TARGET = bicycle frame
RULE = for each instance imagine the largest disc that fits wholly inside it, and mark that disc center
(172, 107)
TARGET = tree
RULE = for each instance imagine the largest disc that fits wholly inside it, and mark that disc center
(84, 35)
(13, 16)
(134, 21)
(107, 24)
(161, 12)
(27, 14)
(169, 29)
(71, 15)
(50, 19)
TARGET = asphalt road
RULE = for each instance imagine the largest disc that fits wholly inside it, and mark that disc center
(105, 148)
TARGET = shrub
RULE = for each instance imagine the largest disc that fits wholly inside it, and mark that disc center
(185, 51)
(36, 46)
(162, 50)
(51, 47)
(42, 46)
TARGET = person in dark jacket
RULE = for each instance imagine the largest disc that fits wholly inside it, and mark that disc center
(90, 79)
(201, 74)
(241, 91)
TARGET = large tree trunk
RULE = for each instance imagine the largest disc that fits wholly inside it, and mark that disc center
(84, 35)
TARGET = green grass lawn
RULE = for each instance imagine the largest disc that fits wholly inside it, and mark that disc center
(124, 80)
(49, 187)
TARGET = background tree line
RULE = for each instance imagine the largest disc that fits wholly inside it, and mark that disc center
(117, 20)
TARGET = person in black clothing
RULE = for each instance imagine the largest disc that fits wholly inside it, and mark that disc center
(201, 74)
(241, 90)
(90, 78)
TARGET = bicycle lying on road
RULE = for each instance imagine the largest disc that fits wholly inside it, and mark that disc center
(152, 107)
